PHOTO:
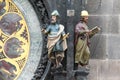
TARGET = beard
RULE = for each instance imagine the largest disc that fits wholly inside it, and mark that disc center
(53, 21)
(86, 21)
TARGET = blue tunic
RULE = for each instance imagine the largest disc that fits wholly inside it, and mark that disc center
(53, 29)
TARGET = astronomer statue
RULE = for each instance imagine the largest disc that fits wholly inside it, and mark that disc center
(56, 43)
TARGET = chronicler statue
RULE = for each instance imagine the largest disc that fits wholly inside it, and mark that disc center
(82, 40)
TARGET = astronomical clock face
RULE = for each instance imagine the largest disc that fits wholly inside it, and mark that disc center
(14, 41)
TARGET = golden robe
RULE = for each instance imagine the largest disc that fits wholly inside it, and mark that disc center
(82, 41)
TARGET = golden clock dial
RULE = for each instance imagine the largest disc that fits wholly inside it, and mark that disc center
(14, 41)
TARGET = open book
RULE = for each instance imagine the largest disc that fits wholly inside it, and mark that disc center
(93, 31)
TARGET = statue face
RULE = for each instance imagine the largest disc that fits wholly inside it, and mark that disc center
(53, 19)
(85, 18)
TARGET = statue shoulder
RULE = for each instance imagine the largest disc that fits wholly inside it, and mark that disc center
(61, 26)
(80, 24)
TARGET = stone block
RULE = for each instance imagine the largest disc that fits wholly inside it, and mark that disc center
(100, 21)
(113, 46)
(100, 6)
(107, 69)
(81, 74)
(116, 7)
(98, 47)
(113, 24)
(93, 75)
(59, 76)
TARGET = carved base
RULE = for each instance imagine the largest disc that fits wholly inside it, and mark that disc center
(60, 75)
(81, 74)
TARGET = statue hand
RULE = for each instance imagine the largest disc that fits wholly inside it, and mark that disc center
(65, 36)
(87, 31)
(43, 30)
(99, 28)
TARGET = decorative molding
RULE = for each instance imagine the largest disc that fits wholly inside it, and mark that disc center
(41, 8)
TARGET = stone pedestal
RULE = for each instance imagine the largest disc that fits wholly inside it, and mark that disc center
(60, 76)
(81, 74)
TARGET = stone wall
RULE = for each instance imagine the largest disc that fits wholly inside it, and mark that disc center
(107, 69)
(105, 46)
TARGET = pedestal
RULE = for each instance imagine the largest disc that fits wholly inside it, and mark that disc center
(81, 74)
(60, 75)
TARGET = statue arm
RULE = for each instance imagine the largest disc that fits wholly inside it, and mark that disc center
(46, 31)
(81, 30)
(93, 31)
(61, 30)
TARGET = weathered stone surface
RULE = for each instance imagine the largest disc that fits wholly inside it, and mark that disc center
(116, 7)
(113, 24)
(99, 7)
(113, 46)
(100, 21)
(35, 37)
(93, 75)
(104, 69)
(81, 74)
(108, 23)
(98, 47)
(107, 17)
(105, 14)
(60, 76)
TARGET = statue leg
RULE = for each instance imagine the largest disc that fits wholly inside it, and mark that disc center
(54, 63)
(52, 58)
(59, 58)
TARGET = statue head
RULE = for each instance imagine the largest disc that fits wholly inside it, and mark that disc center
(84, 15)
(54, 16)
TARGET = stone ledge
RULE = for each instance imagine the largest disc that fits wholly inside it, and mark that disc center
(107, 69)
